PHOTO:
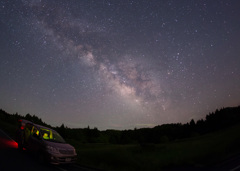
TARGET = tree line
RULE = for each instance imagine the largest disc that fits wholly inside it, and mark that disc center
(215, 121)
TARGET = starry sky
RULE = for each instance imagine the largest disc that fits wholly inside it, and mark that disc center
(119, 64)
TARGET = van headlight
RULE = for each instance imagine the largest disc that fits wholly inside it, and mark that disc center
(53, 150)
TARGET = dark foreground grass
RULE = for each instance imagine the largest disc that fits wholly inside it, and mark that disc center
(200, 151)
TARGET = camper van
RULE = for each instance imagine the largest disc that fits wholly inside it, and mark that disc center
(45, 143)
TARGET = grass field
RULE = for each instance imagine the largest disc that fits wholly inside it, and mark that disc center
(197, 152)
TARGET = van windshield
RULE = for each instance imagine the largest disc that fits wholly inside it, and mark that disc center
(50, 135)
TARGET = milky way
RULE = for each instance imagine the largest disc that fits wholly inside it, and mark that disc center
(126, 77)
(114, 64)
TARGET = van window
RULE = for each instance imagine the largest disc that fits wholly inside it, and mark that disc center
(35, 131)
(51, 135)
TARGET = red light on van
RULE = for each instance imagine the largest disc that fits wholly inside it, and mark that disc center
(22, 127)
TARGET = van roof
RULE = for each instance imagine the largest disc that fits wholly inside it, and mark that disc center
(24, 121)
(39, 126)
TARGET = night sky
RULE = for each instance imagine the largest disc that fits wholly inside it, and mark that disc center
(119, 64)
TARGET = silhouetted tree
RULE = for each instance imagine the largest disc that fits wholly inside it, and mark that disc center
(220, 119)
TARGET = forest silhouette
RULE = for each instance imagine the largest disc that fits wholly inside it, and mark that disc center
(215, 121)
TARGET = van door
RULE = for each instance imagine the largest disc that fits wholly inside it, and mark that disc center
(35, 139)
(27, 133)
